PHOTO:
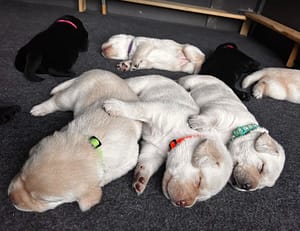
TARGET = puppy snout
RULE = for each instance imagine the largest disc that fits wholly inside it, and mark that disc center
(12, 198)
(103, 51)
(245, 178)
(15, 199)
(246, 186)
(181, 203)
(103, 48)
(106, 50)
(182, 195)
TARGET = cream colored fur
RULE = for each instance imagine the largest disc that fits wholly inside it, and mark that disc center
(198, 167)
(147, 53)
(278, 83)
(65, 167)
(258, 159)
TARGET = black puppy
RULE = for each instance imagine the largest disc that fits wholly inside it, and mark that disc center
(230, 65)
(53, 51)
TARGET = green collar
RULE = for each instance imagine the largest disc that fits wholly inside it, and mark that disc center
(95, 142)
(243, 130)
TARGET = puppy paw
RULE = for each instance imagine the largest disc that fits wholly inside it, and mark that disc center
(257, 93)
(135, 65)
(140, 179)
(39, 110)
(124, 65)
(196, 122)
(114, 107)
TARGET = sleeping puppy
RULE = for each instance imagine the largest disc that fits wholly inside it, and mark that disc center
(92, 150)
(230, 65)
(147, 53)
(198, 164)
(258, 159)
(53, 51)
(278, 83)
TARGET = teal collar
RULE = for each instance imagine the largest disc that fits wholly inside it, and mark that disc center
(95, 142)
(243, 130)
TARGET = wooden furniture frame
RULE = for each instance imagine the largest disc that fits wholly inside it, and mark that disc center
(82, 6)
(246, 19)
(286, 31)
(176, 6)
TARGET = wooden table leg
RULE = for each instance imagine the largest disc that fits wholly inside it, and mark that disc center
(82, 5)
(293, 55)
(245, 27)
(103, 7)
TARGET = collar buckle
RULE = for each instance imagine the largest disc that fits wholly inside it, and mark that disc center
(243, 130)
(96, 144)
(174, 142)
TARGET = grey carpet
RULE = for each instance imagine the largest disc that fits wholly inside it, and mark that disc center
(275, 208)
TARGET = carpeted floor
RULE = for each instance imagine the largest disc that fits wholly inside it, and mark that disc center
(274, 208)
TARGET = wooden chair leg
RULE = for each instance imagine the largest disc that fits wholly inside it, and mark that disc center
(103, 7)
(245, 28)
(81, 5)
(293, 55)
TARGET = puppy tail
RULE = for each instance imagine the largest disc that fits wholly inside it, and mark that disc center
(252, 78)
(62, 86)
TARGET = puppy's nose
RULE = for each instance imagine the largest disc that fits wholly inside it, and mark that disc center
(246, 186)
(181, 203)
(12, 198)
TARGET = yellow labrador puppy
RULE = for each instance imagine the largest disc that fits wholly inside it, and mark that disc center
(198, 164)
(258, 159)
(278, 83)
(92, 150)
(147, 53)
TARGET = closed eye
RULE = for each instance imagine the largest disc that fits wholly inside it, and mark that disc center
(198, 183)
(52, 200)
(48, 200)
(261, 169)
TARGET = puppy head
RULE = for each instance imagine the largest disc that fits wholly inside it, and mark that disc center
(117, 46)
(258, 161)
(55, 174)
(242, 63)
(80, 35)
(196, 171)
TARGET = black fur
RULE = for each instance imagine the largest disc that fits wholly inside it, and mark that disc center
(230, 65)
(8, 112)
(53, 51)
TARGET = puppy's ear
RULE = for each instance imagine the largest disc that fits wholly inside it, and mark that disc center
(265, 143)
(205, 154)
(91, 198)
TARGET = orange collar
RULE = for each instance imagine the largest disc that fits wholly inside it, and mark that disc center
(174, 142)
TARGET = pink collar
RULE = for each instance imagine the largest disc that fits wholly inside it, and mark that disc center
(67, 21)
(230, 46)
